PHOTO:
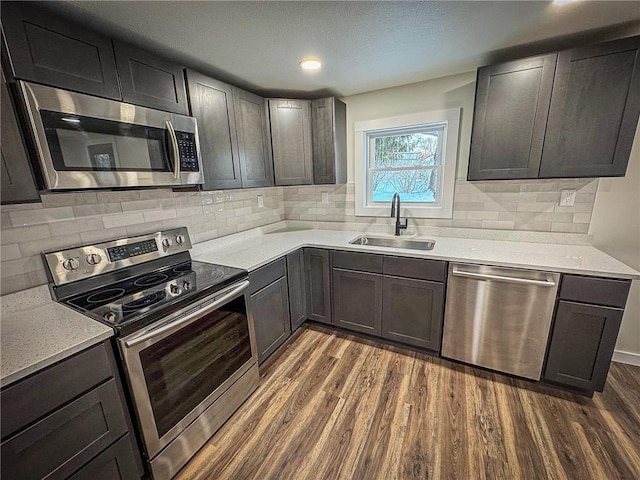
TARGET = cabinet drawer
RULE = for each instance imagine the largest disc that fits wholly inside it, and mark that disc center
(596, 291)
(36, 396)
(118, 462)
(263, 276)
(64, 441)
(434, 270)
(361, 262)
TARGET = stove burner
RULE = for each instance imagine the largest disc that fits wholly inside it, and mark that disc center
(152, 279)
(185, 267)
(105, 295)
(215, 274)
(144, 301)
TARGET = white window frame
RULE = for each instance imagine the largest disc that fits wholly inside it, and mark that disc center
(365, 130)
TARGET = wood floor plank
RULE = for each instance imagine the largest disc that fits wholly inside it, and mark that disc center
(333, 406)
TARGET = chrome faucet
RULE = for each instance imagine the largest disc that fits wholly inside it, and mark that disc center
(395, 212)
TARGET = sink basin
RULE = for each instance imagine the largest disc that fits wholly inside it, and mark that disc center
(394, 242)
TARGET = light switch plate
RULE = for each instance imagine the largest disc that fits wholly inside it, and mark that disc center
(325, 197)
(567, 198)
(260, 201)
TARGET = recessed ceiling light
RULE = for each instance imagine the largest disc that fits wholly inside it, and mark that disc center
(563, 2)
(310, 64)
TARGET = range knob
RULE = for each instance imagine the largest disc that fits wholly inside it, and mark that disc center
(166, 243)
(175, 289)
(71, 264)
(180, 239)
(110, 316)
(94, 259)
(186, 284)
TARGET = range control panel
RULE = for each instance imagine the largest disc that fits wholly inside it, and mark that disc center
(74, 264)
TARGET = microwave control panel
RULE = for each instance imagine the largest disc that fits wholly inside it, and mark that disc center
(188, 152)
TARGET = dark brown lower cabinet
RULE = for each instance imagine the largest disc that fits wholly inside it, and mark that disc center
(582, 344)
(117, 462)
(297, 297)
(268, 306)
(67, 419)
(412, 311)
(318, 284)
(270, 310)
(357, 301)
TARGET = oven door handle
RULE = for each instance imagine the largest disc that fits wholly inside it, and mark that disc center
(174, 147)
(226, 296)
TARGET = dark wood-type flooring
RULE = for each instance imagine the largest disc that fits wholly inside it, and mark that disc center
(333, 406)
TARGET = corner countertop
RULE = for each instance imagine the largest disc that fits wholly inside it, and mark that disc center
(251, 250)
(36, 332)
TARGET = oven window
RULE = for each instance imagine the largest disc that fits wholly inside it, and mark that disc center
(80, 143)
(183, 369)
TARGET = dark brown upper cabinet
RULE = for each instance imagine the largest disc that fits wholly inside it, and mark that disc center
(254, 145)
(18, 184)
(512, 102)
(149, 80)
(329, 126)
(594, 111)
(291, 141)
(577, 121)
(45, 48)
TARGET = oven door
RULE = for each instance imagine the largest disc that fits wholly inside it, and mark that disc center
(178, 367)
(89, 142)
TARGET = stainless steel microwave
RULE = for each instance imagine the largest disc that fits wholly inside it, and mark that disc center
(87, 142)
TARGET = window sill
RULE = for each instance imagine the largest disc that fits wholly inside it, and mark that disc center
(405, 212)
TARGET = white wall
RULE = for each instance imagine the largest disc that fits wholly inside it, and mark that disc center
(615, 226)
(438, 94)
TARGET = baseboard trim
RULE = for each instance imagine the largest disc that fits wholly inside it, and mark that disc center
(626, 357)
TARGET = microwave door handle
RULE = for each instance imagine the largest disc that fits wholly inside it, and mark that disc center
(225, 296)
(174, 147)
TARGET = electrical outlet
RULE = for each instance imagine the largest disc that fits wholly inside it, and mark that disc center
(567, 198)
(260, 201)
(325, 197)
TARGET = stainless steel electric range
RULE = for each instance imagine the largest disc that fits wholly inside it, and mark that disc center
(186, 343)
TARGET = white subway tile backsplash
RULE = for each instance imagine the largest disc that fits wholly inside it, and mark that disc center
(37, 217)
(111, 221)
(21, 234)
(9, 252)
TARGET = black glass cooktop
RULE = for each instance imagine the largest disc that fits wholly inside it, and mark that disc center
(136, 301)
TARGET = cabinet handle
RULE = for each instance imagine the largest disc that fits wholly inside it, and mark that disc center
(500, 278)
(174, 147)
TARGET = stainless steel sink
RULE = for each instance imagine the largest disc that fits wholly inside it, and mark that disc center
(394, 242)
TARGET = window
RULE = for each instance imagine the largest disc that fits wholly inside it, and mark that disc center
(412, 155)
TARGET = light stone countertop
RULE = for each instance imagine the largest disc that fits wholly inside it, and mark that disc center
(258, 247)
(36, 332)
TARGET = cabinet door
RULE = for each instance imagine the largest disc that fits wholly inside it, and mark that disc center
(328, 120)
(582, 343)
(291, 141)
(318, 284)
(254, 149)
(59, 444)
(412, 312)
(149, 80)
(357, 301)
(118, 462)
(269, 308)
(212, 104)
(45, 48)
(297, 297)
(594, 111)
(18, 183)
(511, 107)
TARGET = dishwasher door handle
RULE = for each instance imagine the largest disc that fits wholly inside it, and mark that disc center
(500, 278)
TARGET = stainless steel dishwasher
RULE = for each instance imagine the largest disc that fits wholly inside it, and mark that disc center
(499, 318)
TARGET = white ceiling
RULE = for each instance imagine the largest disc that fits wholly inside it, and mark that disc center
(364, 45)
